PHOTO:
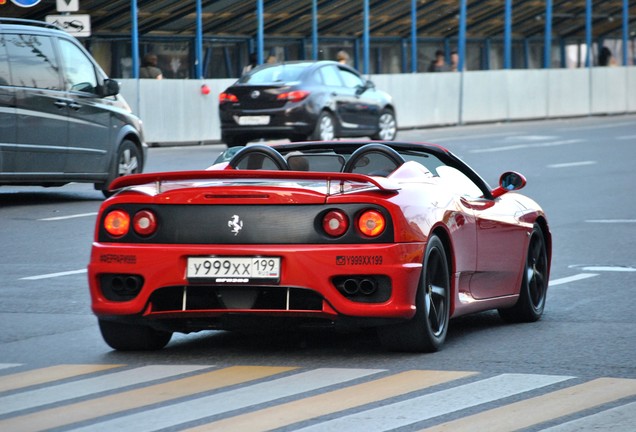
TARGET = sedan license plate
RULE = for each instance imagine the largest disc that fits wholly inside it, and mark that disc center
(234, 269)
(253, 120)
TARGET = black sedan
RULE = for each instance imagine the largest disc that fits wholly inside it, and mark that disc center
(305, 100)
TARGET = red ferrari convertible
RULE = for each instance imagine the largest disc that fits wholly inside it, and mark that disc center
(398, 236)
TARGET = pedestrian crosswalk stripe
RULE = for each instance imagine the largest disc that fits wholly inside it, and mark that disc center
(195, 398)
(250, 395)
(425, 407)
(540, 409)
(619, 419)
(334, 401)
(156, 393)
(49, 374)
(89, 386)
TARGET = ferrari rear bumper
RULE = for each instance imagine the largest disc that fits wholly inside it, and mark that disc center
(316, 281)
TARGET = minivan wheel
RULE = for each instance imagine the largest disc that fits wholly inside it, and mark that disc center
(128, 161)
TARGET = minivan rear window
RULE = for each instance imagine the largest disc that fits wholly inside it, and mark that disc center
(33, 62)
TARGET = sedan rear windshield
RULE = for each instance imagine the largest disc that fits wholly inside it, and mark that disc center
(274, 74)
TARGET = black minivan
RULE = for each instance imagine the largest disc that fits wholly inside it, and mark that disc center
(61, 118)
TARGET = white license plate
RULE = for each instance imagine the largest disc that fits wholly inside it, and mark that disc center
(253, 120)
(233, 267)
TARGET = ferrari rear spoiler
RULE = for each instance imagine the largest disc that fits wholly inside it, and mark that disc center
(383, 184)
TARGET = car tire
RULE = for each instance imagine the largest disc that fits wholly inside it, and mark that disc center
(426, 331)
(129, 337)
(387, 126)
(129, 160)
(325, 129)
(234, 141)
(534, 285)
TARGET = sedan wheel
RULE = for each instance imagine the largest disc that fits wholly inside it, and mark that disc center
(534, 286)
(426, 331)
(387, 127)
(325, 128)
(129, 337)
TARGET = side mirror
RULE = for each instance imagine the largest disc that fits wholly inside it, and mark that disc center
(109, 88)
(509, 181)
(364, 87)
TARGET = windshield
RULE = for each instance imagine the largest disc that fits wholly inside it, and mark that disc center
(274, 74)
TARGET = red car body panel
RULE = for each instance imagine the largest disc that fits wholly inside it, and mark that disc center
(487, 241)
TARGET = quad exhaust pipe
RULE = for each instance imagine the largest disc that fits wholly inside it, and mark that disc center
(365, 286)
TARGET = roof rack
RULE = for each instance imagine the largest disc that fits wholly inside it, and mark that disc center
(30, 22)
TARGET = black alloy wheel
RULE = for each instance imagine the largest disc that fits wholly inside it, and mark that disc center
(426, 331)
(129, 337)
(534, 286)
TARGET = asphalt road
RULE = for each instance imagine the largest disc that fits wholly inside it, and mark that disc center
(580, 170)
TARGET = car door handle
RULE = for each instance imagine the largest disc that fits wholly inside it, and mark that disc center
(74, 106)
(61, 103)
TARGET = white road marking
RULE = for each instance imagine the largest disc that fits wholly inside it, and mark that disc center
(79, 215)
(472, 137)
(574, 278)
(9, 365)
(609, 269)
(524, 146)
(435, 404)
(626, 137)
(531, 138)
(53, 275)
(89, 386)
(611, 221)
(194, 409)
(571, 164)
(605, 126)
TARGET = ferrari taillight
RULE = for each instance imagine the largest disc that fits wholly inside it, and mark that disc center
(117, 223)
(293, 96)
(335, 223)
(145, 223)
(227, 97)
(371, 223)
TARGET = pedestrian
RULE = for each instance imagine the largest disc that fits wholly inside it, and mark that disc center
(149, 68)
(454, 58)
(438, 64)
(605, 58)
(251, 65)
(342, 57)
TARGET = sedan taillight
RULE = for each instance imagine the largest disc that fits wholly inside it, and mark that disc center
(227, 98)
(293, 96)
